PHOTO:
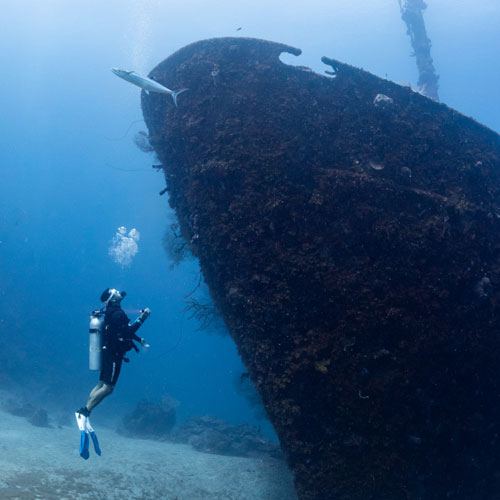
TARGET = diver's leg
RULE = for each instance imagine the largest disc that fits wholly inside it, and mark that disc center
(85, 410)
(105, 385)
(95, 389)
(116, 372)
(110, 367)
(98, 395)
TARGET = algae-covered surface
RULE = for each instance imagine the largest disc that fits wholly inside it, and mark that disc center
(348, 229)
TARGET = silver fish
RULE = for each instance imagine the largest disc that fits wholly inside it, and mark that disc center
(147, 84)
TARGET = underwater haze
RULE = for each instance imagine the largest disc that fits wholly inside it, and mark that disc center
(73, 174)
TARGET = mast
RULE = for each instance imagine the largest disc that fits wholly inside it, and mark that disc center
(412, 15)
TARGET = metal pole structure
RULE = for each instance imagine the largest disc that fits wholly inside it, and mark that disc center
(412, 15)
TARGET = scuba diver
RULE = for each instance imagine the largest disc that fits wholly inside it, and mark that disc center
(111, 337)
(118, 337)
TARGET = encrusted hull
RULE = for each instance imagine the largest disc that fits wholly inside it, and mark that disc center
(352, 246)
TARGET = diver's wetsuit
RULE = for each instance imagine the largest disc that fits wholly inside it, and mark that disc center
(118, 338)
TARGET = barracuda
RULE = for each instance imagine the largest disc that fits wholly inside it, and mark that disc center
(147, 84)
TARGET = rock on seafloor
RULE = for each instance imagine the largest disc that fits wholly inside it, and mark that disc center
(348, 229)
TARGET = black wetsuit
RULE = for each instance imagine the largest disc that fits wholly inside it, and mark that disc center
(118, 339)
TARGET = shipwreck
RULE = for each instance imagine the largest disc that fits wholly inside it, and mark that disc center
(348, 229)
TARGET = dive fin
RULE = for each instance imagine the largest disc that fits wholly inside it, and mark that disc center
(80, 420)
(84, 436)
(96, 443)
(176, 93)
(93, 435)
(84, 445)
(86, 430)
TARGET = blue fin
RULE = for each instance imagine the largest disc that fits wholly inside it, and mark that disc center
(84, 445)
(96, 443)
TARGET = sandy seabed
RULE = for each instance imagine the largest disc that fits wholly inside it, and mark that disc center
(43, 463)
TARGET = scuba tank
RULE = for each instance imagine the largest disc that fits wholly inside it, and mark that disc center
(95, 339)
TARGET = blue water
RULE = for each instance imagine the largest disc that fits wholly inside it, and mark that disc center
(66, 184)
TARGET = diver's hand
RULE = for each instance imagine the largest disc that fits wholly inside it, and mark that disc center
(144, 343)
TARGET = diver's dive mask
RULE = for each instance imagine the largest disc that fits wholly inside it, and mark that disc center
(115, 297)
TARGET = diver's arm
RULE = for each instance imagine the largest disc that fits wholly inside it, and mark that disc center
(131, 333)
(137, 324)
(132, 329)
(133, 336)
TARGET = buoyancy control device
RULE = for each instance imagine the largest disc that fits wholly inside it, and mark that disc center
(96, 327)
